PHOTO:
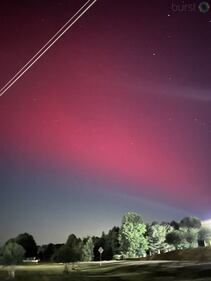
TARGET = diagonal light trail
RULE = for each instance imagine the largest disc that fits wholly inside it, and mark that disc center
(49, 41)
(48, 45)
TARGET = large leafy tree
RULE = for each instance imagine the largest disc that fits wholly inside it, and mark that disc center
(186, 234)
(27, 241)
(190, 227)
(12, 254)
(204, 236)
(72, 240)
(191, 236)
(110, 243)
(175, 238)
(204, 233)
(70, 251)
(113, 240)
(190, 222)
(87, 249)
(157, 237)
(132, 217)
(175, 224)
(48, 252)
(64, 255)
(133, 242)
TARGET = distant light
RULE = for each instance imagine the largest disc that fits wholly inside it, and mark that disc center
(206, 223)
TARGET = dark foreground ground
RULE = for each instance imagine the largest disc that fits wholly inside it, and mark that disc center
(110, 271)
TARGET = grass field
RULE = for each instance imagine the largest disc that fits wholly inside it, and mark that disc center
(114, 271)
(202, 254)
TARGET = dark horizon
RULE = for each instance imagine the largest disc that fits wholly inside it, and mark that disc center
(83, 235)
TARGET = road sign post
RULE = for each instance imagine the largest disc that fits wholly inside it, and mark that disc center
(100, 250)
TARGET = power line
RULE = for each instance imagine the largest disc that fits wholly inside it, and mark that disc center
(48, 45)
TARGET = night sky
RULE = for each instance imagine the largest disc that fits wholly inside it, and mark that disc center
(116, 116)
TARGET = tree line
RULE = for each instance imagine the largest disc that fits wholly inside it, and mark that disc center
(133, 239)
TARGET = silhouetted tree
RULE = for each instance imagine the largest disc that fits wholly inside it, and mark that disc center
(99, 242)
(114, 240)
(190, 222)
(175, 225)
(12, 254)
(190, 226)
(27, 241)
(47, 252)
(175, 238)
(70, 252)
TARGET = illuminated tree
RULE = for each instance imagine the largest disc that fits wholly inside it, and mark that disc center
(175, 238)
(87, 249)
(132, 217)
(190, 227)
(204, 236)
(132, 240)
(187, 234)
(204, 233)
(191, 236)
(157, 237)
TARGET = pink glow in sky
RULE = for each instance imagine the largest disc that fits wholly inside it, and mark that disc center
(124, 97)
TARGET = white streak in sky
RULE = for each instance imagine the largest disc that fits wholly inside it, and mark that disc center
(48, 45)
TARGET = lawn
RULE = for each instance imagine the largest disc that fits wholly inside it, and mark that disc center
(197, 254)
(118, 271)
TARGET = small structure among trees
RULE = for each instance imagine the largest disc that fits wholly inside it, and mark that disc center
(205, 233)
